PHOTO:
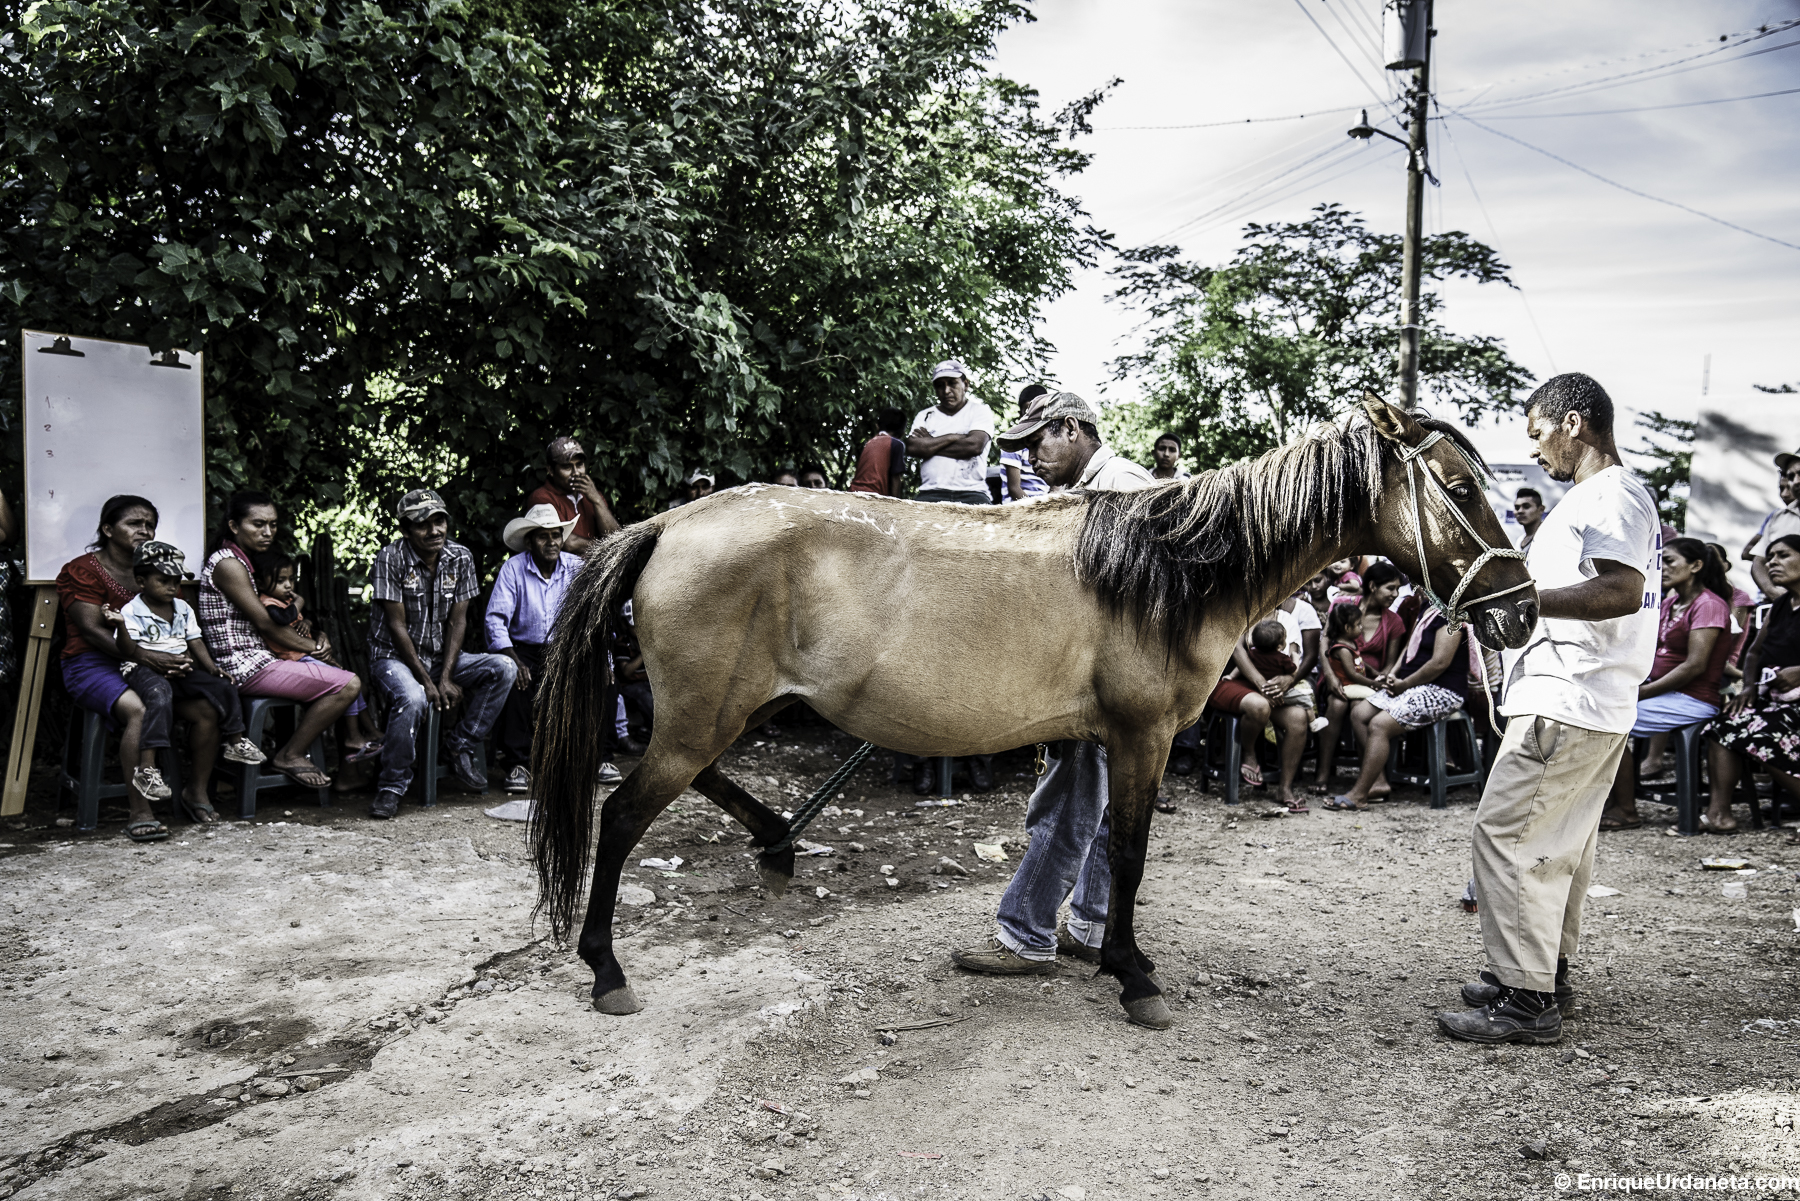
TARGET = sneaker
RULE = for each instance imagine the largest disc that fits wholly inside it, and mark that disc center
(924, 779)
(1484, 989)
(994, 958)
(518, 779)
(242, 750)
(384, 806)
(149, 783)
(609, 774)
(1517, 1015)
(462, 766)
(1068, 944)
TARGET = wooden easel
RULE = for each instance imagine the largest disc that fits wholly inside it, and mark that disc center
(33, 669)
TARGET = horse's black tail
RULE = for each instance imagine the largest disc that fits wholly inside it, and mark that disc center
(566, 754)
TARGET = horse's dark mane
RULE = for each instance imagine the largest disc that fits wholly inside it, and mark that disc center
(1160, 555)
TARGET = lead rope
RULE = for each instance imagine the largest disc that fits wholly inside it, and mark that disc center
(804, 815)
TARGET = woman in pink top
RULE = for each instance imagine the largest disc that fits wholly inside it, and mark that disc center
(1692, 643)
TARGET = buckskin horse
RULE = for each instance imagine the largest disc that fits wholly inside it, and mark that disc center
(889, 617)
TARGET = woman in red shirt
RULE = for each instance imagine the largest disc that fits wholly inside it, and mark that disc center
(1692, 643)
(102, 579)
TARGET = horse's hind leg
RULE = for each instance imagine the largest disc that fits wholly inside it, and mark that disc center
(624, 818)
(1133, 773)
(765, 825)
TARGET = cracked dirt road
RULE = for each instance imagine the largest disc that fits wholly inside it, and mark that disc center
(171, 1008)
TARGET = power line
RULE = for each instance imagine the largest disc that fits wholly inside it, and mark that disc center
(1335, 148)
(1494, 232)
(1646, 108)
(1660, 71)
(1300, 185)
(1354, 69)
(1324, 112)
(1623, 187)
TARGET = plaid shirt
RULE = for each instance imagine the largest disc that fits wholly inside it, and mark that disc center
(231, 637)
(400, 575)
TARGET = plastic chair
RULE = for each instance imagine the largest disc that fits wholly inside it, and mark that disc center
(1437, 766)
(1234, 755)
(435, 771)
(253, 777)
(1686, 797)
(86, 777)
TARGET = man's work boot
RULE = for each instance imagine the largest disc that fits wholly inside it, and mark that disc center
(924, 777)
(1480, 992)
(994, 958)
(384, 806)
(1517, 1015)
(1182, 762)
(981, 773)
(1068, 944)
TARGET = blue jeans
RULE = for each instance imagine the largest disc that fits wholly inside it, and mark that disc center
(485, 681)
(1066, 820)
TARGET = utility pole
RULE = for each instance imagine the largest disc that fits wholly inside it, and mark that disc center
(1409, 33)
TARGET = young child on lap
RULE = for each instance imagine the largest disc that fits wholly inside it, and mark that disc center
(1267, 642)
(157, 619)
(279, 594)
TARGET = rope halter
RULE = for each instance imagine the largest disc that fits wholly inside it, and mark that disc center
(1454, 610)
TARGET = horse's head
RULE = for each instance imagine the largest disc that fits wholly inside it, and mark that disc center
(1433, 519)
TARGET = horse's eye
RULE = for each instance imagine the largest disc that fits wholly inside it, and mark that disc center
(1461, 491)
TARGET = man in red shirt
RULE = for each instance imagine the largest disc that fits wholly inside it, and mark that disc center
(881, 467)
(571, 492)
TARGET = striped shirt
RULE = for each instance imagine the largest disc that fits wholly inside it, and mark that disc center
(231, 636)
(400, 575)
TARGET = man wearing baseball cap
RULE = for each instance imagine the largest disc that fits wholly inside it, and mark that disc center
(951, 441)
(422, 586)
(1066, 817)
(521, 614)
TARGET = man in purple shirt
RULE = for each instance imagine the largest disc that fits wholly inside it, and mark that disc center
(521, 615)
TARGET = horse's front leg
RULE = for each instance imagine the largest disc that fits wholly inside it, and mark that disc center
(1134, 770)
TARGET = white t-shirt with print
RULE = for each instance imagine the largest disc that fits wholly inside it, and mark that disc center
(1294, 626)
(1586, 673)
(152, 633)
(944, 473)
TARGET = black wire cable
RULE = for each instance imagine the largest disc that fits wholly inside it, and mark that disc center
(1643, 108)
(1624, 187)
(1354, 69)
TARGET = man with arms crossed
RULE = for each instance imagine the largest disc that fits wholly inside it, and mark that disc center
(1066, 818)
(1571, 697)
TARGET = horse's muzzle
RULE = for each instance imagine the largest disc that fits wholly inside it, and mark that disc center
(1505, 625)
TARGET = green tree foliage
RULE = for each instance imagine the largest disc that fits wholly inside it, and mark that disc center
(1298, 325)
(1668, 444)
(416, 239)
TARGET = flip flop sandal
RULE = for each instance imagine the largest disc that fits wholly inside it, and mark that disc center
(198, 811)
(1298, 807)
(294, 773)
(1621, 823)
(1165, 805)
(1706, 827)
(1341, 804)
(1250, 775)
(146, 831)
(367, 750)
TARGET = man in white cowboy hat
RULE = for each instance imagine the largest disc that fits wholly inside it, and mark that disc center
(521, 613)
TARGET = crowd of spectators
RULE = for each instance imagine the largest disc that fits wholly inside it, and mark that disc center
(1356, 650)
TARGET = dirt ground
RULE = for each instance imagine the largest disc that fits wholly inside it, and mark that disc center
(315, 1005)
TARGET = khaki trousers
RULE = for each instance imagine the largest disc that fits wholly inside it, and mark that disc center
(1535, 834)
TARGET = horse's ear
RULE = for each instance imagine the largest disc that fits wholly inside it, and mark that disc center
(1392, 422)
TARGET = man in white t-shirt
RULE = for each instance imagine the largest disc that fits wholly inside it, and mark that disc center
(951, 440)
(1571, 700)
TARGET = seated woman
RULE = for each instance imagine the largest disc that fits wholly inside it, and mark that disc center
(92, 660)
(239, 632)
(1279, 697)
(1376, 635)
(1431, 683)
(1762, 723)
(1692, 641)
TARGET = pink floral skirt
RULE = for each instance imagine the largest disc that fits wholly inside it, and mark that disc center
(1767, 731)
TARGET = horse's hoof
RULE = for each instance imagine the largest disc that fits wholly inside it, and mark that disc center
(1152, 1012)
(773, 878)
(618, 1002)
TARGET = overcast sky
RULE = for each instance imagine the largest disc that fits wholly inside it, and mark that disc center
(1631, 291)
